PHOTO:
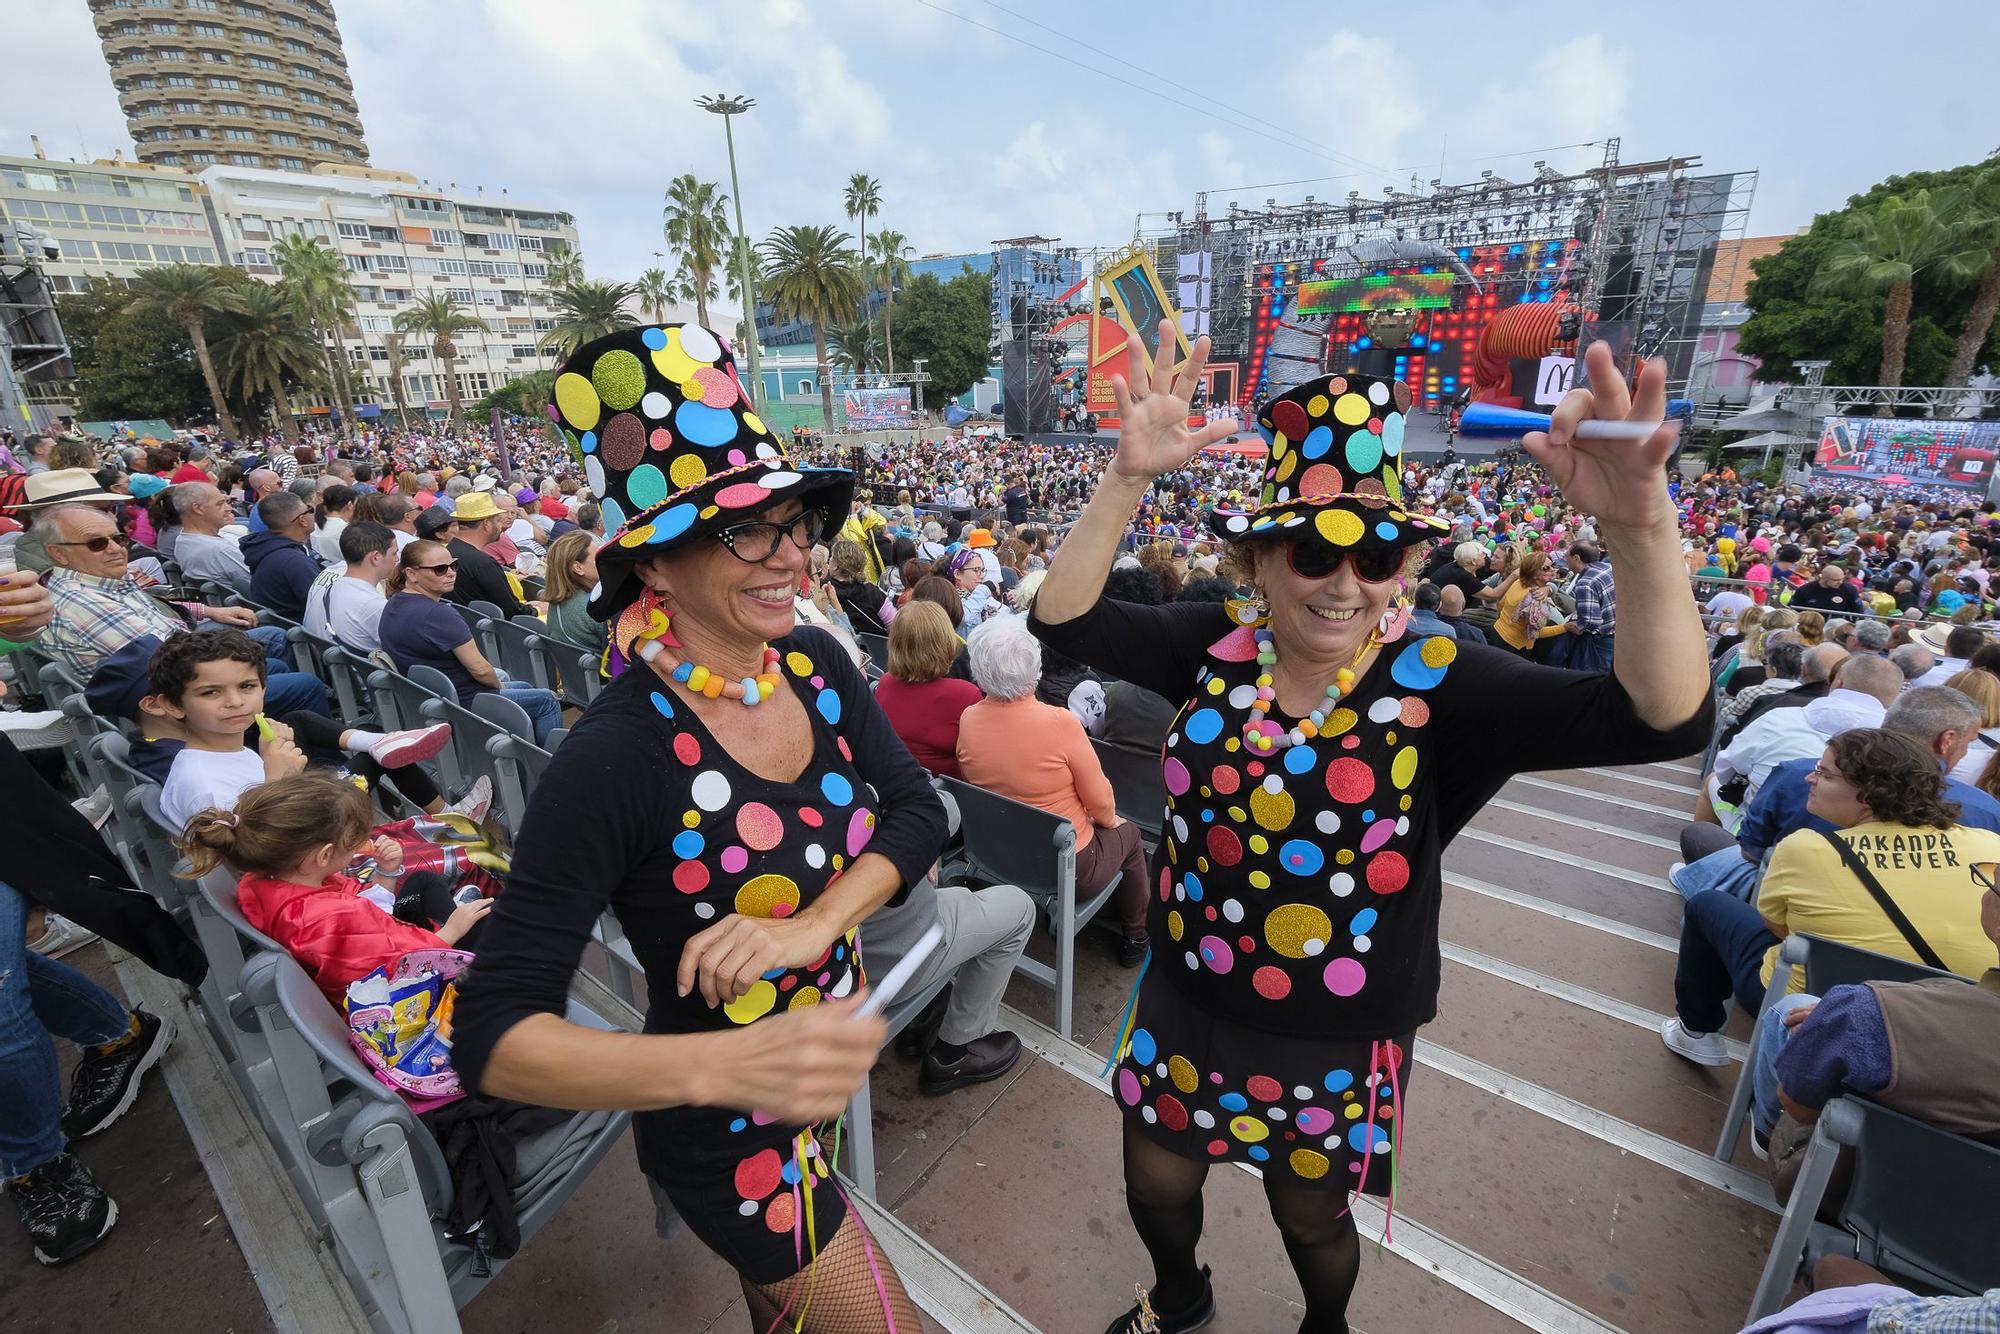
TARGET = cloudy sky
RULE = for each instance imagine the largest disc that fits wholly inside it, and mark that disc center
(995, 118)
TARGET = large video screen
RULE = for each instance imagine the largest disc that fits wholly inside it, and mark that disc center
(1382, 291)
(1897, 451)
(876, 409)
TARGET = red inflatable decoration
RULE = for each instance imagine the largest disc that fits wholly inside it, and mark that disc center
(1523, 332)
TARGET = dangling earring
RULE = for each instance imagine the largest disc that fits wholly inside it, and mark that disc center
(1253, 610)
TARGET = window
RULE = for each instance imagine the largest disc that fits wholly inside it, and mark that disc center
(415, 204)
(135, 58)
(199, 254)
(210, 30)
(247, 159)
(313, 227)
(289, 140)
(72, 248)
(230, 109)
(287, 21)
(353, 231)
(256, 258)
(451, 266)
(204, 6)
(529, 242)
(215, 57)
(521, 350)
(253, 224)
(376, 324)
(276, 113)
(167, 159)
(195, 132)
(463, 295)
(500, 240)
(317, 122)
(222, 83)
(305, 95)
(270, 89)
(384, 234)
(170, 53)
(392, 263)
(476, 240)
(241, 136)
(297, 48)
(291, 164)
(162, 25)
(323, 145)
(488, 297)
(443, 236)
(259, 62)
(423, 264)
(185, 105)
(180, 81)
(145, 81)
(255, 38)
(356, 263)
(304, 72)
(201, 159)
(395, 295)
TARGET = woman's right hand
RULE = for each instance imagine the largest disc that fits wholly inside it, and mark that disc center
(1153, 435)
(800, 1066)
(463, 918)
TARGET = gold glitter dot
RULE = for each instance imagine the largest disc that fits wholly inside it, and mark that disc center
(1174, 924)
(692, 819)
(1298, 930)
(1345, 856)
(1309, 1163)
(1232, 744)
(1238, 814)
(1404, 801)
(1389, 737)
(1182, 1072)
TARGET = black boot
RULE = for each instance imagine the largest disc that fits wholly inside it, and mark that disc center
(1143, 1319)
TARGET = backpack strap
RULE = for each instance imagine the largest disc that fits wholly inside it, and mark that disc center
(1888, 905)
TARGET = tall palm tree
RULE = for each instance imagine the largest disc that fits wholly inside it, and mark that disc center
(890, 253)
(191, 295)
(1980, 226)
(265, 342)
(855, 347)
(436, 315)
(587, 310)
(810, 275)
(655, 290)
(1884, 250)
(863, 199)
(565, 267)
(683, 288)
(317, 280)
(694, 224)
(393, 342)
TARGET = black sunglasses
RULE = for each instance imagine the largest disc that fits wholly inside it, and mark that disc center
(1317, 560)
(754, 543)
(97, 544)
(448, 567)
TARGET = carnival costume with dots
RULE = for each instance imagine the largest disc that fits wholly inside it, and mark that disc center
(1295, 915)
(643, 811)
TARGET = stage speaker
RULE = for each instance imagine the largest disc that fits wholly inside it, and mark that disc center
(1026, 402)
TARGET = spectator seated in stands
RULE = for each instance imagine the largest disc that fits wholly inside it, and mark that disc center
(1450, 614)
(868, 608)
(1816, 671)
(1983, 689)
(1784, 660)
(207, 694)
(977, 601)
(202, 552)
(481, 578)
(1941, 720)
(1871, 637)
(1953, 646)
(1135, 718)
(568, 576)
(921, 698)
(1425, 601)
(345, 604)
(417, 628)
(1016, 745)
(99, 609)
(1885, 794)
(1465, 570)
(291, 839)
(282, 565)
(1861, 692)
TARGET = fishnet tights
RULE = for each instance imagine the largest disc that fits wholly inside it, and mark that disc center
(837, 1293)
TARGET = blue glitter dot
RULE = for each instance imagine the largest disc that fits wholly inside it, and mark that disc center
(1259, 1153)
(654, 338)
(1144, 1050)
(736, 1126)
(1233, 1102)
(774, 974)
(663, 704)
(1193, 886)
(673, 522)
(704, 425)
(790, 1172)
(1386, 531)
(1363, 923)
(1317, 442)
(688, 844)
(836, 789)
(1300, 760)
(1362, 1137)
(1203, 726)
(1208, 817)
(588, 442)
(1300, 857)
(1368, 817)
(1339, 1081)
(828, 704)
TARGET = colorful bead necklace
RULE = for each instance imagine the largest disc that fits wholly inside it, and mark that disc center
(1262, 735)
(752, 690)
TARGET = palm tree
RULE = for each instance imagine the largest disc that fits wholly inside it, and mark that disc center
(1884, 250)
(587, 310)
(812, 277)
(437, 315)
(863, 198)
(393, 342)
(565, 267)
(265, 342)
(655, 290)
(855, 347)
(1980, 226)
(191, 295)
(695, 225)
(684, 289)
(890, 252)
(317, 279)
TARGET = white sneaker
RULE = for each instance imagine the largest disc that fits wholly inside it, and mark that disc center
(1701, 1048)
(478, 799)
(418, 743)
(1674, 872)
(95, 808)
(60, 936)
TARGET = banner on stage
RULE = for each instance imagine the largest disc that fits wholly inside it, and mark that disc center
(1899, 451)
(876, 409)
(1383, 291)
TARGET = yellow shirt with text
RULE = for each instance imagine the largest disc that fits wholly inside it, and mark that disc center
(1807, 888)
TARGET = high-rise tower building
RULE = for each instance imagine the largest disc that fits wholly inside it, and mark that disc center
(245, 83)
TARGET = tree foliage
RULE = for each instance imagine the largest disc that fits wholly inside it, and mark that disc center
(1792, 320)
(130, 364)
(948, 326)
(525, 397)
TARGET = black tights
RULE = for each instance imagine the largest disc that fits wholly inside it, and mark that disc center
(423, 898)
(319, 737)
(1163, 1195)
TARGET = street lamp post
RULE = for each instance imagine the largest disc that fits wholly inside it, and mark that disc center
(726, 105)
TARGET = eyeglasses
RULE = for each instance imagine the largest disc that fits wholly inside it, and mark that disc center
(755, 543)
(1317, 560)
(449, 567)
(96, 545)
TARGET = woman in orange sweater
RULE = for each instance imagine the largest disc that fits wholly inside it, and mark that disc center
(1012, 743)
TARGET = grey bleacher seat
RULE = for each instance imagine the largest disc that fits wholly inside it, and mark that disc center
(348, 672)
(139, 798)
(1136, 786)
(572, 668)
(520, 763)
(877, 649)
(1010, 842)
(398, 699)
(306, 651)
(1922, 1206)
(127, 838)
(859, 1144)
(519, 651)
(1827, 964)
(473, 613)
(378, 1173)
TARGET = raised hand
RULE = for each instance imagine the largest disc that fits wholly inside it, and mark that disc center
(1622, 484)
(1153, 434)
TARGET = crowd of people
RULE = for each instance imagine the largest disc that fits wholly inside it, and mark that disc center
(1225, 616)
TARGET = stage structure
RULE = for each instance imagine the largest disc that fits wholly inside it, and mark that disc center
(1037, 283)
(1407, 284)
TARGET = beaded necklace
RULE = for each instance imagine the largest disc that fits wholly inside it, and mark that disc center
(752, 690)
(1261, 734)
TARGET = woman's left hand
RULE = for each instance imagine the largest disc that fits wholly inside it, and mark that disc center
(1622, 484)
(726, 959)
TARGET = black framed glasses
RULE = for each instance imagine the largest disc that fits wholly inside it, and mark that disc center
(1318, 560)
(756, 542)
(96, 545)
(449, 567)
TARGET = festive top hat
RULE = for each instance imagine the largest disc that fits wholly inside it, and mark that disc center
(1334, 471)
(671, 449)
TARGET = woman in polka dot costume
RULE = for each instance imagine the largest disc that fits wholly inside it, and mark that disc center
(1323, 759)
(737, 799)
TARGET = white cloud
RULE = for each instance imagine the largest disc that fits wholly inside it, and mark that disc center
(1577, 90)
(1353, 93)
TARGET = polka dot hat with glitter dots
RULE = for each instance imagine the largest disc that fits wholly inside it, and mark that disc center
(1334, 471)
(669, 444)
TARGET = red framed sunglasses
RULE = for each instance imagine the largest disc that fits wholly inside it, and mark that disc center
(1318, 560)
